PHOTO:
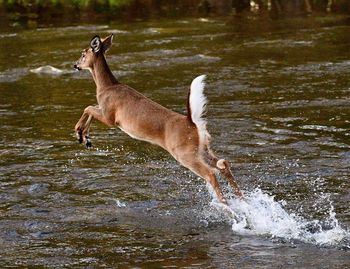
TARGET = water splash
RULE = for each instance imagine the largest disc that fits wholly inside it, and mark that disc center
(50, 70)
(119, 203)
(260, 214)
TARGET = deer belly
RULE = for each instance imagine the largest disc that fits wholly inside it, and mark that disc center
(138, 136)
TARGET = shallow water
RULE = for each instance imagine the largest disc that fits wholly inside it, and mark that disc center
(279, 111)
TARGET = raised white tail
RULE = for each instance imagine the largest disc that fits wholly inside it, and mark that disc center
(197, 106)
(198, 101)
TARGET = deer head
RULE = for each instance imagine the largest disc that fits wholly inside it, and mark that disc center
(97, 49)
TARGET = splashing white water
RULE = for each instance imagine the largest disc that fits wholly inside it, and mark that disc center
(50, 70)
(260, 214)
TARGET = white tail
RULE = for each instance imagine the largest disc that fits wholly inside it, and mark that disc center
(120, 105)
(198, 103)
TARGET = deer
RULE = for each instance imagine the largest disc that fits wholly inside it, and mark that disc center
(185, 137)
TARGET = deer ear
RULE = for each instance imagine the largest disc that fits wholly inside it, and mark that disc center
(96, 44)
(107, 43)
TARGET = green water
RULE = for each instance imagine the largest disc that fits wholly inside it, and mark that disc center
(279, 111)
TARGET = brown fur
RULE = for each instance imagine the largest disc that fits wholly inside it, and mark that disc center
(141, 118)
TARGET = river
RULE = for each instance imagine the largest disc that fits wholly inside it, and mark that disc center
(279, 110)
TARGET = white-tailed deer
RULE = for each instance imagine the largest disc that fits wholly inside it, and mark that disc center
(185, 137)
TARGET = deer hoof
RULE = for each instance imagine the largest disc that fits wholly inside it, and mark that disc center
(80, 136)
(88, 143)
(224, 201)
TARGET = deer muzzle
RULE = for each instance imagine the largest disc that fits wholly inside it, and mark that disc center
(77, 67)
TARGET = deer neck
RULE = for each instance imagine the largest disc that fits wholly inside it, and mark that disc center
(102, 75)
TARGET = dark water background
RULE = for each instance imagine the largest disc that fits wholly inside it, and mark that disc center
(279, 111)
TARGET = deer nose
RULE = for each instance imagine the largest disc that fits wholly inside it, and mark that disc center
(76, 67)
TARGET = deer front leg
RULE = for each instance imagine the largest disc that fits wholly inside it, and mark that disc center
(83, 125)
(79, 127)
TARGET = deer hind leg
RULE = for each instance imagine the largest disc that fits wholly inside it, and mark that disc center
(203, 170)
(83, 126)
(224, 167)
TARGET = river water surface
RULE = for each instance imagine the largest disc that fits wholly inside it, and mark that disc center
(279, 111)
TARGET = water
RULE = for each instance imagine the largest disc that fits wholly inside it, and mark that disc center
(279, 111)
(260, 214)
